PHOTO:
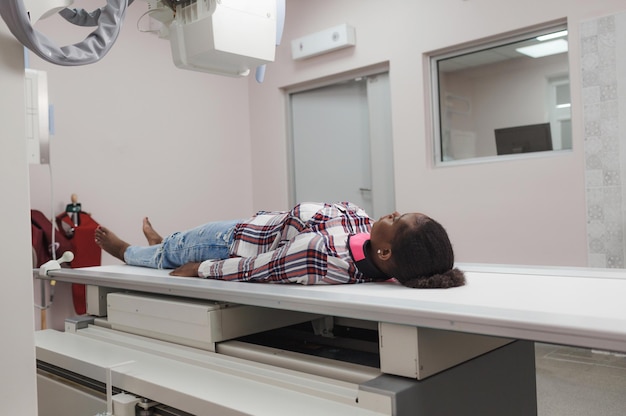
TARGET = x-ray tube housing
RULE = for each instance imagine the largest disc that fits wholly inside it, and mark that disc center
(229, 37)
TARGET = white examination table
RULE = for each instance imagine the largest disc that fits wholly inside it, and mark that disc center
(462, 351)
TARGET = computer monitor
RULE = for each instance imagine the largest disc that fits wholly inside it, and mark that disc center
(523, 139)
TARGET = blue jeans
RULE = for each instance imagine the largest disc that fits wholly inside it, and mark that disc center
(208, 241)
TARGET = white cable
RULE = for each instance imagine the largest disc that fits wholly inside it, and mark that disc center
(52, 221)
(53, 244)
(148, 13)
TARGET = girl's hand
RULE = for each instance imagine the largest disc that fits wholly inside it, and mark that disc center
(186, 270)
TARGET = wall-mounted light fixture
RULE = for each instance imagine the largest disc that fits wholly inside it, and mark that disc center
(328, 40)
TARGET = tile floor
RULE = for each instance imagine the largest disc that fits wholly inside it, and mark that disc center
(579, 382)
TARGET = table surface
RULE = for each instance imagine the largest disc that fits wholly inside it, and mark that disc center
(578, 307)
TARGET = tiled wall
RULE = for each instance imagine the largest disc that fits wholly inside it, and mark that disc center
(601, 64)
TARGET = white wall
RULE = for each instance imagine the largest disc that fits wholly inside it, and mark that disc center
(17, 360)
(526, 212)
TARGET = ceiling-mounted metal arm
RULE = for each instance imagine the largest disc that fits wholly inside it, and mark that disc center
(108, 19)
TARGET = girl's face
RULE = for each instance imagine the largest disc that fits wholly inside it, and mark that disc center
(384, 230)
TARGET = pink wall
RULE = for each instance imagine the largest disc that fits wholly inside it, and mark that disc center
(134, 115)
(136, 136)
(524, 212)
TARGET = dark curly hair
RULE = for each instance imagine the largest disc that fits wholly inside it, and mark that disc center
(423, 256)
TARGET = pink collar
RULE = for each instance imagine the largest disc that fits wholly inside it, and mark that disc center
(357, 245)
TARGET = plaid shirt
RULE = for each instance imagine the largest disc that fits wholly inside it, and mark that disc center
(306, 245)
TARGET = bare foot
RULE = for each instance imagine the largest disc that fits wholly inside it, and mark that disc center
(110, 243)
(151, 235)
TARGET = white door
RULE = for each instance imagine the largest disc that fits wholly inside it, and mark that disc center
(342, 144)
